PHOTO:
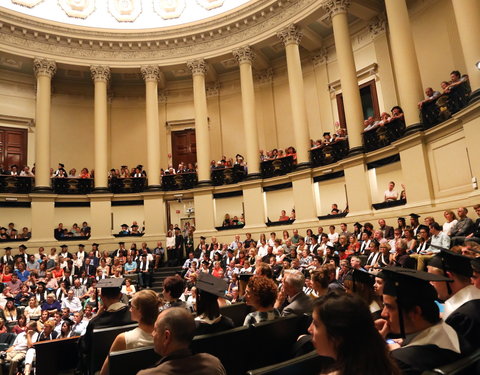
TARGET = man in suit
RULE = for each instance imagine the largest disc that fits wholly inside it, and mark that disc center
(172, 335)
(292, 299)
(386, 230)
(89, 268)
(22, 255)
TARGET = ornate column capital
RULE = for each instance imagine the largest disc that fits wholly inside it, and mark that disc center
(198, 66)
(213, 89)
(264, 77)
(334, 7)
(290, 35)
(150, 72)
(44, 67)
(100, 73)
(162, 96)
(320, 57)
(244, 54)
(378, 25)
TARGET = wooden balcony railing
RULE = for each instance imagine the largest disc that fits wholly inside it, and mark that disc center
(226, 176)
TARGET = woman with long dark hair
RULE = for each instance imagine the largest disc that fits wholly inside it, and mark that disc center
(343, 329)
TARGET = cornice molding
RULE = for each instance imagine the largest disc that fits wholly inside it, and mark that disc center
(262, 19)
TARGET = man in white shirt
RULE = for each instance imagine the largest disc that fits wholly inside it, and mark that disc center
(79, 325)
(332, 236)
(16, 353)
(72, 302)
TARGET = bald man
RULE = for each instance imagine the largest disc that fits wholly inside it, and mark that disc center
(172, 335)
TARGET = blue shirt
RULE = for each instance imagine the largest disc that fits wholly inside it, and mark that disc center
(23, 276)
(130, 267)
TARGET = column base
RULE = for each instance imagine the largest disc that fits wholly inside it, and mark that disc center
(253, 176)
(355, 151)
(153, 188)
(304, 165)
(474, 96)
(204, 183)
(42, 190)
(414, 128)
(100, 190)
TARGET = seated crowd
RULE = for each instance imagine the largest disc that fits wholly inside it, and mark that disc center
(339, 136)
(233, 221)
(132, 230)
(372, 123)
(60, 232)
(278, 153)
(10, 233)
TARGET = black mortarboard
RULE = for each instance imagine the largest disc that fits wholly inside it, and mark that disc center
(123, 166)
(134, 225)
(41, 283)
(414, 215)
(81, 245)
(475, 264)
(203, 238)
(359, 276)
(61, 165)
(23, 247)
(63, 246)
(229, 250)
(110, 283)
(205, 262)
(326, 133)
(139, 166)
(10, 299)
(357, 224)
(124, 226)
(246, 276)
(95, 244)
(8, 248)
(211, 284)
(401, 218)
(447, 260)
(13, 166)
(121, 243)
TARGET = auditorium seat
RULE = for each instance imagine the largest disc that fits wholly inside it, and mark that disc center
(466, 366)
(226, 346)
(237, 312)
(129, 362)
(56, 356)
(101, 342)
(307, 364)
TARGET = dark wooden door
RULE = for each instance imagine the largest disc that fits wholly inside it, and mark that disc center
(184, 147)
(13, 147)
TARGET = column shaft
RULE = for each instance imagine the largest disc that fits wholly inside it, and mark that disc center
(198, 68)
(150, 74)
(348, 77)
(404, 57)
(101, 75)
(245, 57)
(467, 14)
(44, 70)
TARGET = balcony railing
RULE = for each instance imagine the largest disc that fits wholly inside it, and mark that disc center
(180, 181)
(16, 184)
(277, 167)
(72, 185)
(127, 185)
(383, 135)
(328, 154)
(226, 176)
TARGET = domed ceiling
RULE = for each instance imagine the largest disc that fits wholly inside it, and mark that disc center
(124, 14)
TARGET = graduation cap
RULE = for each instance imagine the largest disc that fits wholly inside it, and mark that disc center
(10, 299)
(112, 283)
(245, 276)
(140, 166)
(63, 246)
(409, 287)
(8, 248)
(326, 133)
(211, 284)
(124, 166)
(22, 247)
(447, 260)
(359, 276)
(121, 243)
(401, 218)
(135, 226)
(203, 238)
(13, 166)
(61, 165)
(124, 226)
(475, 264)
(95, 244)
(81, 245)
(357, 224)
(41, 283)
(415, 216)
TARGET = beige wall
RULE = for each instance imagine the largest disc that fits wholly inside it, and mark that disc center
(232, 206)
(278, 200)
(329, 192)
(70, 215)
(380, 177)
(126, 215)
(176, 217)
(21, 217)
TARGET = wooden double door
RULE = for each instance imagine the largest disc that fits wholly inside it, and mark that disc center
(13, 147)
(184, 147)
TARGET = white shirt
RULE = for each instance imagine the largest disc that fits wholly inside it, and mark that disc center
(74, 304)
(390, 195)
(447, 227)
(333, 237)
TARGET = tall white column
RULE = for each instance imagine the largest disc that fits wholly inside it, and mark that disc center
(199, 68)
(44, 71)
(467, 14)
(245, 58)
(150, 74)
(291, 38)
(404, 57)
(352, 103)
(101, 76)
